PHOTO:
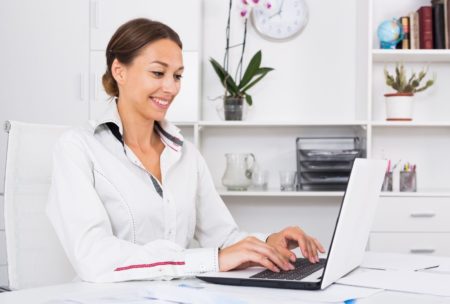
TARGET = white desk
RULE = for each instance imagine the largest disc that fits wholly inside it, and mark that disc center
(44, 294)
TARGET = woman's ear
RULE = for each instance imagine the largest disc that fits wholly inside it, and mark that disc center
(118, 71)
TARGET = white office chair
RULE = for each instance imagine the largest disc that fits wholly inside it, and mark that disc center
(35, 256)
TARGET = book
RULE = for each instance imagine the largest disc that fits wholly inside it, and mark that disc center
(447, 23)
(426, 27)
(406, 32)
(398, 46)
(446, 4)
(438, 26)
(414, 30)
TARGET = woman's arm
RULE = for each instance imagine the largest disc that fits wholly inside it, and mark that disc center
(217, 228)
(84, 229)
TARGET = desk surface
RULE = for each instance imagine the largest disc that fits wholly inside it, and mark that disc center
(74, 290)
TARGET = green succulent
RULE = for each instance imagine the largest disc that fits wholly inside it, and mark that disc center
(402, 84)
(252, 75)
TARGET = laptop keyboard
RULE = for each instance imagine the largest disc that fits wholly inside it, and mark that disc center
(303, 268)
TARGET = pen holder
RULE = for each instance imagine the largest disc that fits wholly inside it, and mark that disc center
(408, 181)
(387, 183)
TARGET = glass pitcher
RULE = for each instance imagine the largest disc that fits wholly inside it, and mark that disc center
(239, 170)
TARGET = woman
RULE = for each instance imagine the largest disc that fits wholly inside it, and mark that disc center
(129, 194)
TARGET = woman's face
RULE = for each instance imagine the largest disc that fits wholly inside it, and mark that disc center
(150, 83)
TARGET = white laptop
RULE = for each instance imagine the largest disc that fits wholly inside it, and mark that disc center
(347, 245)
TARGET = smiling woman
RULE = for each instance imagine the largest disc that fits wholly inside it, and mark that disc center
(129, 194)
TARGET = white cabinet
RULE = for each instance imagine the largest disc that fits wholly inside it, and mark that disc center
(415, 243)
(183, 16)
(44, 72)
(413, 214)
(412, 224)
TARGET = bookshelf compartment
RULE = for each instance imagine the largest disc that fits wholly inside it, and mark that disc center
(428, 148)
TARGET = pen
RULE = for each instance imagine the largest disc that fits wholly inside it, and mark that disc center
(396, 164)
(426, 268)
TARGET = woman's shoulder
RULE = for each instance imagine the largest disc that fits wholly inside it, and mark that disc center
(76, 135)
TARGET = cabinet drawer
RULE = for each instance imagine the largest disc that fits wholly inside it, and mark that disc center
(413, 214)
(416, 243)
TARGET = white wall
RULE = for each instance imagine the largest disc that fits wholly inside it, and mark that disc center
(314, 75)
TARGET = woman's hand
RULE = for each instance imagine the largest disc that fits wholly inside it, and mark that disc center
(293, 237)
(253, 252)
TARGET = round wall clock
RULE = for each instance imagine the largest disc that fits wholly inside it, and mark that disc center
(284, 20)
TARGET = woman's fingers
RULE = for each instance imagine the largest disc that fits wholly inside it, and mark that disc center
(270, 252)
(319, 245)
(287, 254)
(262, 260)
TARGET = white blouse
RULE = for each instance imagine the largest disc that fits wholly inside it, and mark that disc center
(116, 222)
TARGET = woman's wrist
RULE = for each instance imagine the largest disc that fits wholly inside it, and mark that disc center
(267, 238)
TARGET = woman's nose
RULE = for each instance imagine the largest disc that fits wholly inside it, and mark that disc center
(170, 85)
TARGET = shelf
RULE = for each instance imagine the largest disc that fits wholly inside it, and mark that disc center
(277, 193)
(184, 123)
(430, 124)
(443, 193)
(411, 55)
(226, 124)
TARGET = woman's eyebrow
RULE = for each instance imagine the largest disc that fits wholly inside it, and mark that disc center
(166, 65)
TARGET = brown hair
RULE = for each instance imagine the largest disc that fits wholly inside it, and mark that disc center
(127, 42)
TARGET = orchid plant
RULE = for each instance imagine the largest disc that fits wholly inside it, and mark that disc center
(242, 82)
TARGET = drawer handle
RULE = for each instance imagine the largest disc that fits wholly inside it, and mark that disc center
(421, 251)
(423, 214)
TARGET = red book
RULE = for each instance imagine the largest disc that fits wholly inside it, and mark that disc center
(426, 27)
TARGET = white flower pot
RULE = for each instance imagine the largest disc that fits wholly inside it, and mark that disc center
(399, 106)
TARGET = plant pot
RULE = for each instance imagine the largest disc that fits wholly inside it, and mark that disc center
(233, 107)
(399, 106)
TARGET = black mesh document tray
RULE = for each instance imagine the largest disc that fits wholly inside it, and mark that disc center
(324, 163)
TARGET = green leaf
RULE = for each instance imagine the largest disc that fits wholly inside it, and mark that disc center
(251, 70)
(263, 70)
(227, 81)
(249, 100)
(251, 84)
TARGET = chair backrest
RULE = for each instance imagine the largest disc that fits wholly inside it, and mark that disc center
(34, 253)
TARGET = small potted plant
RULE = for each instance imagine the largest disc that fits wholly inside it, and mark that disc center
(236, 88)
(399, 105)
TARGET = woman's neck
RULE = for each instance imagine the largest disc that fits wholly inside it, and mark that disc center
(138, 132)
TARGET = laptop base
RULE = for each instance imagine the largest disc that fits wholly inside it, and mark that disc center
(263, 283)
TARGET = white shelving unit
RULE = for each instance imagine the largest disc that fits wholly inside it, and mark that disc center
(410, 222)
(423, 141)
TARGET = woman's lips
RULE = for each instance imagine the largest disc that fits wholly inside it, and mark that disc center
(161, 103)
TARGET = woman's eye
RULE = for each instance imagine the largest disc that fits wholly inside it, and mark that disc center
(178, 76)
(158, 74)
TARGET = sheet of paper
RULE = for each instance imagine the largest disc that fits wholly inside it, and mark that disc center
(396, 261)
(400, 280)
(195, 291)
(333, 294)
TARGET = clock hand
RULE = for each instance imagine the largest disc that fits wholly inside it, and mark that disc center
(279, 10)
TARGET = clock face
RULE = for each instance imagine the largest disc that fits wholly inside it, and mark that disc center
(284, 20)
